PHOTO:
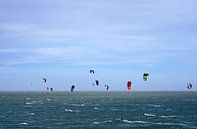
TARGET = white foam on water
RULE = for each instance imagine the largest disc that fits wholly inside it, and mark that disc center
(68, 110)
(127, 121)
(27, 103)
(139, 122)
(96, 123)
(75, 105)
(78, 105)
(154, 105)
(23, 123)
(28, 98)
(175, 124)
(108, 121)
(168, 109)
(32, 102)
(97, 104)
(96, 108)
(82, 105)
(149, 114)
(190, 99)
(170, 116)
(48, 99)
(32, 113)
(9, 112)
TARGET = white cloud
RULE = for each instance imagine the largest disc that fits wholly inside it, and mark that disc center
(93, 32)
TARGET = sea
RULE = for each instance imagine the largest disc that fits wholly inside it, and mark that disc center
(98, 110)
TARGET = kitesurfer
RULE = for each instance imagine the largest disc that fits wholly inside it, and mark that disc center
(129, 85)
(107, 87)
(45, 80)
(72, 88)
(145, 76)
(121, 119)
(189, 86)
(92, 71)
(97, 82)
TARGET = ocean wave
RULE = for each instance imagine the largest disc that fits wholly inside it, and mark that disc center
(96, 123)
(28, 103)
(108, 121)
(149, 114)
(96, 108)
(113, 109)
(159, 123)
(30, 114)
(78, 105)
(155, 105)
(9, 111)
(191, 125)
(34, 102)
(68, 110)
(170, 116)
(168, 109)
(28, 98)
(138, 122)
(2, 96)
(175, 124)
(191, 100)
(23, 123)
(131, 122)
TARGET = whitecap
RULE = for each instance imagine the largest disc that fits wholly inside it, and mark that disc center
(48, 99)
(23, 123)
(170, 116)
(108, 121)
(176, 124)
(28, 98)
(127, 121)
(68, 110)
(31, 102)
(9, 112)
(139, 122)
(149, 114)
(96, 123)
(168, 109)
(95, 108)
(154, 105)
(83, 104)
(97, 104)
(78, 105)
(32, 113)
(28, 103)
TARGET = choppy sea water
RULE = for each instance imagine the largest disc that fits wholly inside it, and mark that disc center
(98, 110)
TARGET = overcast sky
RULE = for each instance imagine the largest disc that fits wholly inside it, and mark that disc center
(119, 39)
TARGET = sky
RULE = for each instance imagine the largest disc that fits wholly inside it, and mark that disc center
(119, 39)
